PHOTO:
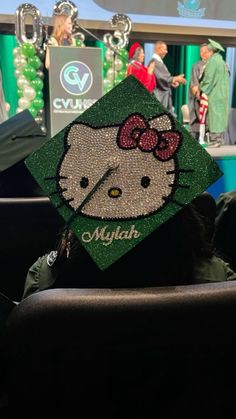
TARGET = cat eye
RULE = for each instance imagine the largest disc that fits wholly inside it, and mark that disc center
(145, 181)
(84, 182)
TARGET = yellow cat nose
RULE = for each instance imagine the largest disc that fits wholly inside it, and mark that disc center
(115, 192)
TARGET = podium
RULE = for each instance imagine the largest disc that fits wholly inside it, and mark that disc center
(75, 83)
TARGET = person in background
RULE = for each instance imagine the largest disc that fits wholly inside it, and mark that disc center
(215, 86)
(194, 92)
(4, 106)
(164, 80)
(61, 34)
(136, 67)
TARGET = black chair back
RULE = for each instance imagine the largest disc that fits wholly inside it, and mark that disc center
(141, 353)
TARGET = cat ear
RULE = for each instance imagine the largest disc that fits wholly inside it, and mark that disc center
(72, 134)
(163, 122)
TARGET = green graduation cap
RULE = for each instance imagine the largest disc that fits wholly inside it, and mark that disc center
(120, 170)
(215, 45)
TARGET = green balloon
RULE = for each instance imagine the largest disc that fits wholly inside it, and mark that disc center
(39, 94)
(28, 50)
(106, 65)
(34, 62)
(29, 72)
(19, 93)
(37, 83)
(33, 111)
(38, 103)
(123, 54)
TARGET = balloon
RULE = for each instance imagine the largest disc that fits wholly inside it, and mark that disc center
(38, 119)
(40, 53)
(111, 74)
(109, 54)
(18, 110)
(124, 25)
(107, 85)
(37, 83)
(34, 62)
(23, 103)
(123, 54)
(29, 72)
(19, 62)
(19, 92)
(28, 49)
(38, 103)
(16, 51)
(106, 66)
(118, 64)
(39, 93)
(43, 129)
(17, 72)
(22, 82)
(33, 111)
(29, 92)
(23, 11)
(67, 7)
(40, 74)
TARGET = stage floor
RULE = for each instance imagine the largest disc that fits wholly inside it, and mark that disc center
(223, 151)
(225, 157)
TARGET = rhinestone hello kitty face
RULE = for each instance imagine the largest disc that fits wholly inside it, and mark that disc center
(120, 172)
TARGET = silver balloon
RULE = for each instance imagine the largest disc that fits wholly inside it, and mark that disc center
(22, 82)
(109, 54)
(118, 64)
(43, 129)
(20, 61)
(23, 103)
(40, 74)
(67, 7)
(123, 25)
(38, 119)
(17, 72)
(29, 92)
(111, 74)
(24, 10)
(16, 51)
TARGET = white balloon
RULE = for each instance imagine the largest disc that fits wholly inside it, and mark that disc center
(17, 72)
(118, 64)
(29, 92)
(22, 82)
(23, 103)
(111, 74)
(16, 51)
(109, 54)
(18, 110)
(19, 61)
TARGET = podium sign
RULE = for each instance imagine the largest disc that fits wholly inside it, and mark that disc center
(75, 83)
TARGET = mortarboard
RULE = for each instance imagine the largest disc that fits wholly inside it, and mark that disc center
(215, 45)
(133, 48)
(120, 170)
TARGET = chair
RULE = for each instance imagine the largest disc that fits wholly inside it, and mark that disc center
(185, 114)
(29, 228)
(124, 353)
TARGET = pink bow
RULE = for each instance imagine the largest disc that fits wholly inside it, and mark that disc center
(136, 132)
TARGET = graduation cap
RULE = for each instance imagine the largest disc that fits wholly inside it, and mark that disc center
(120, 170)
(215, 46)
(20, 135)
(133, 49)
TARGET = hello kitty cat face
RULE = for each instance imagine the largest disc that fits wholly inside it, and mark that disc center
(120, 172)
